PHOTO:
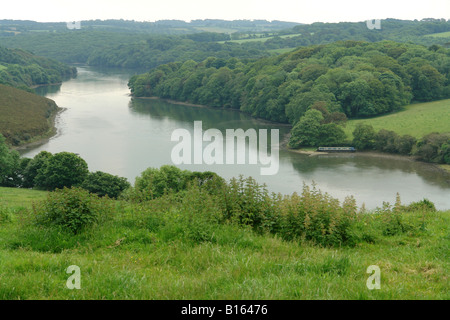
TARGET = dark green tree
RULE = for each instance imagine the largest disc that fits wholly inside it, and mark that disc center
(31, 170)
(330, 135)
(364, 136)
(63, 169)
(306, 131)
(105, 184)
(9, 164)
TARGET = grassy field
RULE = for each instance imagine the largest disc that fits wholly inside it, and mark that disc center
(440, 35)
(281, 50)
(20, 198)
(416, 120)
(128, 257)
(24, 115)
(264, 39)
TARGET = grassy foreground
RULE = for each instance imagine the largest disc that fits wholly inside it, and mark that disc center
(417, 120)
(130, 256)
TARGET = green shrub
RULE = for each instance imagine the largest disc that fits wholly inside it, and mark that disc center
(245, 202)
(434, 147)
(316, 217)
(105, 184)
(154, 183)
(423, 205)
(73, 209)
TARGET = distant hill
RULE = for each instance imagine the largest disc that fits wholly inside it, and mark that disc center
(121, 43)
(22, 69)
(24, 115)
(15, 27)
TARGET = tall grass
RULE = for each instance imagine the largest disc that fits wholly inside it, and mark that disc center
(237, 243)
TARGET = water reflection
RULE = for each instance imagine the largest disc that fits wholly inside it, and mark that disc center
(121, 135)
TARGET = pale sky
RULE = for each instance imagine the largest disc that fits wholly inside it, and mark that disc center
(304, 11)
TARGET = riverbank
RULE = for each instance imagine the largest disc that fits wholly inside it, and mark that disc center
(188, 104)
(25, 117)
(43, 138)
(443, 169)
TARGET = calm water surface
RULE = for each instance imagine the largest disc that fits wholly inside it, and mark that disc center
(118, 134)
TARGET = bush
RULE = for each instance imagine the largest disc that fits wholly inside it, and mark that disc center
(423, 205)
(385, 141)
(105, 184)
(245, 202)
(316, 217)
(405, 144)
(154, 183)
(434, 147)
(72, 209)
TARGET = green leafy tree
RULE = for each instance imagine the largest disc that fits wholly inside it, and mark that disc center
(434, 147)
(105, 184)
(330, 135)
(9, 164)
(306, 132)
(63, 169)
(33, 166)
(385, 140)
(153, 182)
(364, 136)
(405, 144)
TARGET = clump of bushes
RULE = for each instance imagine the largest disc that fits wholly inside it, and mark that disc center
(72, 209)
(424, 205)
(315, 217)
(105, 184)
(55, 171)
(365, 138)
(434, 147)
(154, 183)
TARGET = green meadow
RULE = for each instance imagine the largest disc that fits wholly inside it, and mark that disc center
(440, 35)
(262, 39)
(143, 251)
(417, 120)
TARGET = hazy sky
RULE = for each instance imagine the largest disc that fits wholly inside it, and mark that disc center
(305, 11)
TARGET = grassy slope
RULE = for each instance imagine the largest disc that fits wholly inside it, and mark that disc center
(439, 35)
(416, 120)
(20, 198)
(235, 264)
(24, 115)
(262, 39)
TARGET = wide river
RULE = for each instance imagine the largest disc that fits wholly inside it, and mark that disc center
(117, 134)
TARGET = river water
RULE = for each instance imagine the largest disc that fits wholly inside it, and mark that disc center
(123, 136)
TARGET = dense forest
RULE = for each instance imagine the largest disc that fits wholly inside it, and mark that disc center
(161, 50)
(22, 69)
(359, 79)
(197, 47)
(56, 41)
(135, 44)
(13, 27)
